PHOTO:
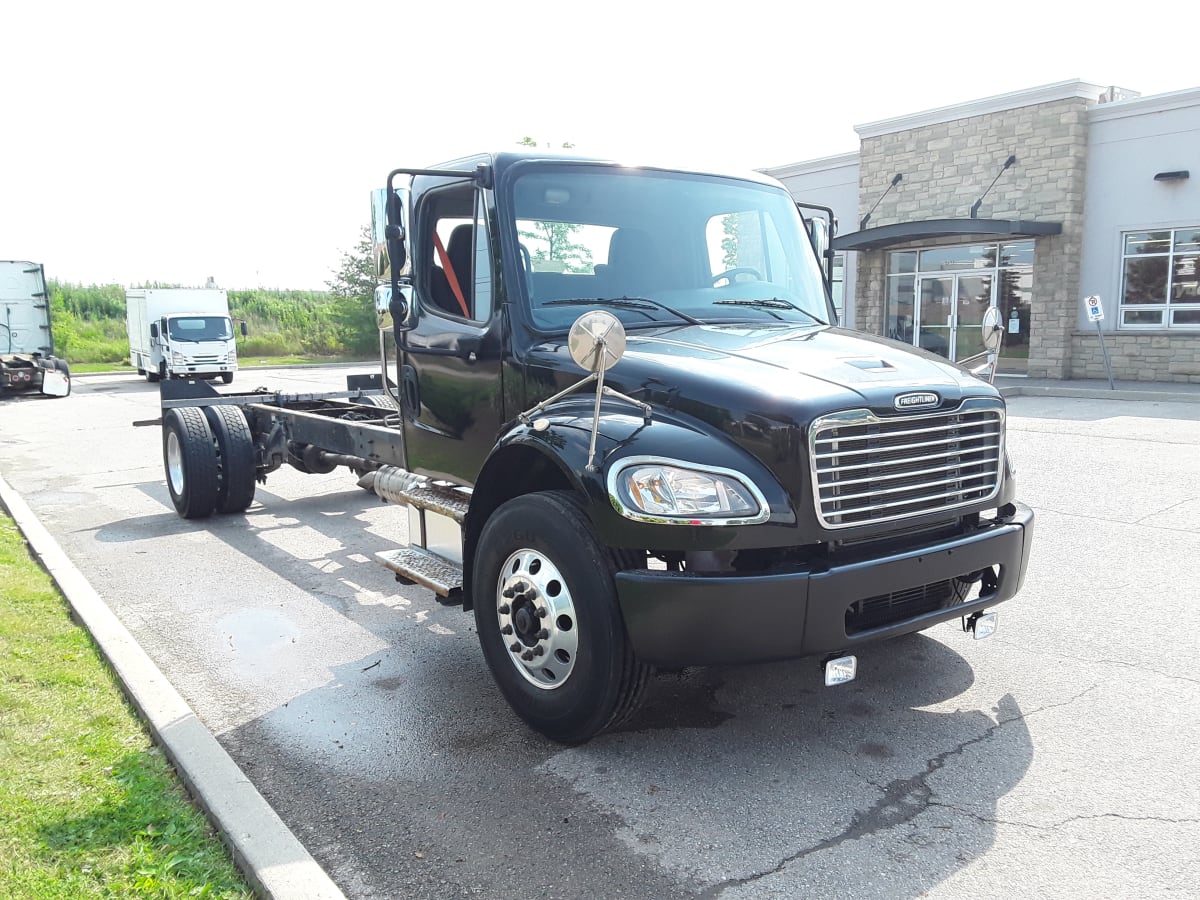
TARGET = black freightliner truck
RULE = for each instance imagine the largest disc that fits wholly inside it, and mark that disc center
(630, 435)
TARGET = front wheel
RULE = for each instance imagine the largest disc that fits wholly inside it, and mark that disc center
(548, 619)
(227, 377)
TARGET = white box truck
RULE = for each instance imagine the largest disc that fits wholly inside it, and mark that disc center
(181, 333)
(27, 361)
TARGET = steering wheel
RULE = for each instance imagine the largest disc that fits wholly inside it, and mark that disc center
(732, 274)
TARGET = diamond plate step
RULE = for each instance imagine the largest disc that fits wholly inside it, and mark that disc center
(418, 566)
(440, 499)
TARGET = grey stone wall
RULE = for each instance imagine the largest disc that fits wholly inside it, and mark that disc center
(946, 166)
(1145, 356)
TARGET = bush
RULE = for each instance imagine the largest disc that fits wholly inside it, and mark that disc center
(272, 344)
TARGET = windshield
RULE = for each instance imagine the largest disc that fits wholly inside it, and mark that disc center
(200, 328)
(659, 247)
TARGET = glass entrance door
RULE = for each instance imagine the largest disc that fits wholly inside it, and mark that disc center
(950, 311)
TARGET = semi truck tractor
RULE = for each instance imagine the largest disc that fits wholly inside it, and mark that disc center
(630, 435)
(27, 361)
(180, 333)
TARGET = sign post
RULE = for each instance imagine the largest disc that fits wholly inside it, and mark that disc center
(1096, 314)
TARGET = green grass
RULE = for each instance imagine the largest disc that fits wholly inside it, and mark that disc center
(88, 806)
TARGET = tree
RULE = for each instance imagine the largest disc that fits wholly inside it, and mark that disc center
(552, 244)
(353, 289)
(730, 227)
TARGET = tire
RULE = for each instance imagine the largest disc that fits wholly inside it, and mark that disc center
(227, 377)
(540, 570)
(383, 401)
(236, 467)
(190, 460)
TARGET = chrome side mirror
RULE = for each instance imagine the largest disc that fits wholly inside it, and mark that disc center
(993, 330)
(389, 216)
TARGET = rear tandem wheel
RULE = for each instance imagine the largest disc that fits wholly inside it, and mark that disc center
(236, 466)
(190, 460)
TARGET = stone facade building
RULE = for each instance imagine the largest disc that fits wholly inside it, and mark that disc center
(1027, 202)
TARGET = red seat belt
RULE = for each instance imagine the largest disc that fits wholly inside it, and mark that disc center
(450, 276)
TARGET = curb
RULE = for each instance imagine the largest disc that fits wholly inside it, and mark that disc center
(1087, 393)
(263, 847)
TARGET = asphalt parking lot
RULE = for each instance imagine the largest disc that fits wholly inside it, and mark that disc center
(1056, 758)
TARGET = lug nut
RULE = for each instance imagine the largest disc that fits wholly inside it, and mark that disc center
(515, 646)
(507, 629)
(538, 650)
(527, 655)
(543, 634)
(503, 609)
(542, 612)
(508, 593)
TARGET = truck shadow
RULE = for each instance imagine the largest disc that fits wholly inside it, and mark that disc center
(728, 777)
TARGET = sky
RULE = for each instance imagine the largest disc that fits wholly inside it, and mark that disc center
(171, 142)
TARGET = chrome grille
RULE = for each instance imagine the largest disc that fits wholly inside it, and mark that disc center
(869, 469)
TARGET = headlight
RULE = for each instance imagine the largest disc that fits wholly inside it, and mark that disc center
(178, 358)
(655, 491)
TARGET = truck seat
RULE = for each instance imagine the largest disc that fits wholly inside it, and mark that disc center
(458, 250)
(633, 266)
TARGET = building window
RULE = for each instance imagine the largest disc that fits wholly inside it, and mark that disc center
(1160, 279)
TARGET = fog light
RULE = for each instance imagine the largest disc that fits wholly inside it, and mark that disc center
(982, 625)
(840, 669)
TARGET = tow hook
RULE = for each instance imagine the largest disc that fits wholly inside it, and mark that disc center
(981, 624)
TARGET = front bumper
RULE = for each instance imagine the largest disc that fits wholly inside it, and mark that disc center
(681, 619)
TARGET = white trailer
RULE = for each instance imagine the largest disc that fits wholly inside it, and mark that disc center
(27, 360)
(181, 333)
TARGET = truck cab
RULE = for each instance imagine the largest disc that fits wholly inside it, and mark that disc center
(770, 485)
(181, 333)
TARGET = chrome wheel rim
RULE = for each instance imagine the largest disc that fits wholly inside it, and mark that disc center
(175, 463)
(537, 619)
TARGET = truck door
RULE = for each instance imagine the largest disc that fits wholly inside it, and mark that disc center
(451, 360)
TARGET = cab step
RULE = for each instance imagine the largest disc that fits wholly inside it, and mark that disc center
(417, 566)
(437, 497)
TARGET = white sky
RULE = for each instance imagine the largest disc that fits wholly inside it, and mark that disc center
(168, 141)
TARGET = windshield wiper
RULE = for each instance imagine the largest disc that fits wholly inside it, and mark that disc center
(767, 305)
(638, 303)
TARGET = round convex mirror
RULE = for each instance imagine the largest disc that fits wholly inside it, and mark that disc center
(591, 332)
(993, 331)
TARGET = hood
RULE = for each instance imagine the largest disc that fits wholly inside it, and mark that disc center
(761, 385)
(797, 371)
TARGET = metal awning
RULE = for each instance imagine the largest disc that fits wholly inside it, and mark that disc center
(903, 232)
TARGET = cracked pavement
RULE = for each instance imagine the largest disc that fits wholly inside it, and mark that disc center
(1055, 758)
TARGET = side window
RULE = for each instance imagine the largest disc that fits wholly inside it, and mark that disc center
(746, 240)
(458, 265)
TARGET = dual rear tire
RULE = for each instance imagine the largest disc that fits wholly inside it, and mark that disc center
(209, 458)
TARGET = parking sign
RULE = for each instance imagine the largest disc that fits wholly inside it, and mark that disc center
(1094, 309)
